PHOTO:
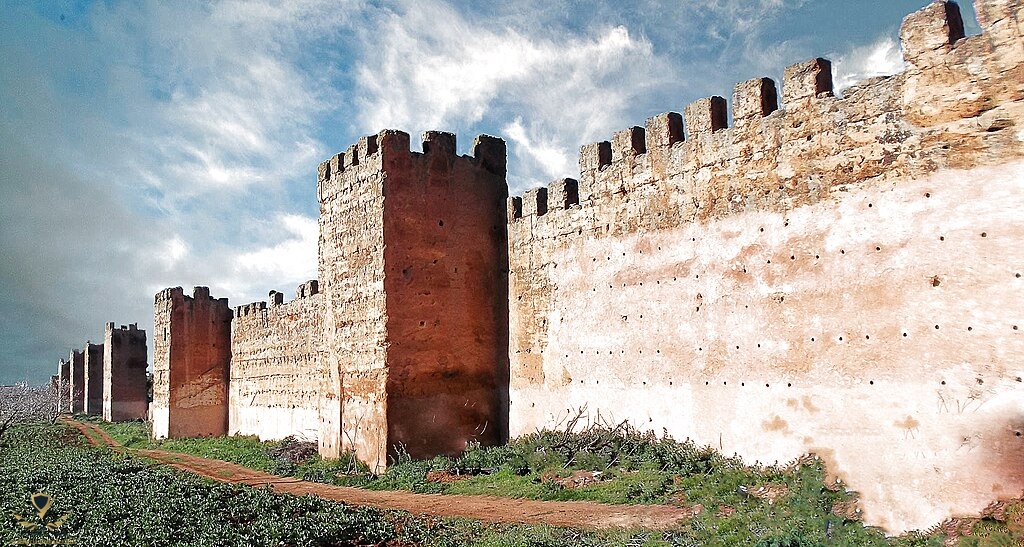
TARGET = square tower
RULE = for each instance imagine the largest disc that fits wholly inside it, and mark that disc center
(76, 384)
(124, 374)
(93, 366)
(414, 270)
(191, 358)
(63, 386)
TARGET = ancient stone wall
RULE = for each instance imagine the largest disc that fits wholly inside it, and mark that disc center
(275, 366)
(125, 392)
(76, 366)
(92, 396)
(412, 268)
(838, 275)
(191, 358)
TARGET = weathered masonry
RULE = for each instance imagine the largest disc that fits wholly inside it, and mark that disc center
(275, 366)
(124, 374)
(401, 341)
(76, 387)
(63, 386)
(837, 275)
(413, 269)
(831, 274)
(191, 352)
(93, 385)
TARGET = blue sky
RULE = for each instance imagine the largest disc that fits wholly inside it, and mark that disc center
(146, 145)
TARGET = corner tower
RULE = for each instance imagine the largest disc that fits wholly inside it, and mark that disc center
(414, 267)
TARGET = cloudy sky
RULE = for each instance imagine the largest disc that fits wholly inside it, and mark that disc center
(146, 145)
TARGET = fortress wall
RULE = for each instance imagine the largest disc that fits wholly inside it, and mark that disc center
(76, 364)
(275, 366)
(191, 357)
(125, 392)
(92, 396)
(63, 386)
(830, 275)
(445, 281)
(351, 275)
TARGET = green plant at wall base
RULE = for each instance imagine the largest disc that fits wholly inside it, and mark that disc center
(627, 467)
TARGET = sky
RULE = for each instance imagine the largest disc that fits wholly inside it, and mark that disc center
(146, 145)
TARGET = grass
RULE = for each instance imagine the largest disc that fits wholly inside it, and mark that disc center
(733, 503)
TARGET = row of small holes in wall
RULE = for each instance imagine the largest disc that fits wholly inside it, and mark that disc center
(933, 280)
(708, 383)
(841, 338)
(793, 256)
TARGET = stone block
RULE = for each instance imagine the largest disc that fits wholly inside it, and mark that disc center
(706, 115)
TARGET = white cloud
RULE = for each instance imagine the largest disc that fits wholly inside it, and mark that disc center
(218, 98)
(881, 58)
(175, 249)
(553, 158)
(432, 68)
(292, 258)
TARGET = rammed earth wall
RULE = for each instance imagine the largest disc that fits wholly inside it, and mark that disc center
(838, 275)
(275, 366)
(414, 274)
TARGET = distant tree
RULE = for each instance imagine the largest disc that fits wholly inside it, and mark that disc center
(24, 403)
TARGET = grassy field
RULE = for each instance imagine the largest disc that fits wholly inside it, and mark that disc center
(732, 503)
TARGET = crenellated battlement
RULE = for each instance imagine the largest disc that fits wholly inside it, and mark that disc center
(390, 150)
(819, 272)
(779, 154)
(177, 294)
(276, 298)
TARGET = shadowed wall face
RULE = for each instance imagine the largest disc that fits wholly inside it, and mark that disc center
(64, 386)
(93, 365)
(192, 354)
(445, 283)
(124, 374)
(76, 363)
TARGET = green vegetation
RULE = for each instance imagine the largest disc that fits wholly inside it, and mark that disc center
(105, 497)
(732, 503)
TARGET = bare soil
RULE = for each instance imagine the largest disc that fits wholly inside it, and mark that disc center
(574, 514)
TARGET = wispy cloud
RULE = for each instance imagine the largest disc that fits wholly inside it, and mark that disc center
(433, 68)
(881, 58)
(551, 158)
(292, 256)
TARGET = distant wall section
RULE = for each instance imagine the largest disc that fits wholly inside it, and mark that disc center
(125, 391)
(93, 382)
(76, 364)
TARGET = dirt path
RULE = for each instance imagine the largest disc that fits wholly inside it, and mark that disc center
(575, 514)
